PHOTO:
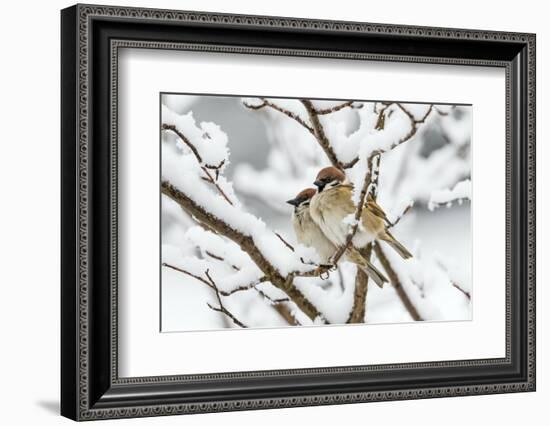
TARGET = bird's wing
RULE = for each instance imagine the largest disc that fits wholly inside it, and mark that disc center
(376, 209)
(329, 208)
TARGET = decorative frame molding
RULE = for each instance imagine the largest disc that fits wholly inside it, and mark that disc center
(91, 388)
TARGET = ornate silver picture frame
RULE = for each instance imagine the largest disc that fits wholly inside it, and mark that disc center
(91, 39)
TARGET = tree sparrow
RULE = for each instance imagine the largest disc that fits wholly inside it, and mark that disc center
(333, 204)
(309, 234)
(306, 230)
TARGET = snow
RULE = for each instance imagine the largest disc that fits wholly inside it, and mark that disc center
(398, 209)
(292, 105)
(182, 170)
(332, 302)
(462, 190)
(179, 104)
(367, 140)
(207, 138)
(409, 174)
(208, 242)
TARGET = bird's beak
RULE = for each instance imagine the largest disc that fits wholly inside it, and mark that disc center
(319, 184)
(292, 202)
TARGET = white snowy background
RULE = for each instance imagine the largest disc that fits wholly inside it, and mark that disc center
(264, 159)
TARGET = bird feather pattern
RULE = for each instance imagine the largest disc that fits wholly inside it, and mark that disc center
(309, 234)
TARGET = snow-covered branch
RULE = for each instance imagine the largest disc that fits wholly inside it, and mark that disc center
(362, 139)
(336, 108)
(248, 245)
(319, 133)
(221, 307)
(394, 278)
(358, 310)
(287, 112)
(461, 191)
(376, 138)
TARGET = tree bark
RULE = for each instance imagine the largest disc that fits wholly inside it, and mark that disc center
(357, 314)
(392, 275)
(246, 243)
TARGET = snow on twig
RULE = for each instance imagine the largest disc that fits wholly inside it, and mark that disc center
(279, 266)
(282, 266)
(461, 191)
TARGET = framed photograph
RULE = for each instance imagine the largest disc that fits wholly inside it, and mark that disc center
(263, 212)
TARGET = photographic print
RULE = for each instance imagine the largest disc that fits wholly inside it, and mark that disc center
(280, 212)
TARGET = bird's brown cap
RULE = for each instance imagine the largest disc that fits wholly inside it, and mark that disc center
(302, 196)
(327, 175)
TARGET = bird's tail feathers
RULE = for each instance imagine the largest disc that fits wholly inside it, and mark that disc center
(396, 245)
(367, 267)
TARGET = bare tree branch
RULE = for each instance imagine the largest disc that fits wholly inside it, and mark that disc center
(459, 288)
(357, 217)
(358, 310)
(285, 283)
(211, 284)
(324, 111)
(453, 282)
(222, 309)
(246, 243)
(392, 275)
(277, 304)
(285, 242)
(213, 182)
(184, 139)
(290, 114)
(271, 299)
(204, 167)
(221, 259)
(285, 312)
(319, 133)
(398, 218)
(208, 282)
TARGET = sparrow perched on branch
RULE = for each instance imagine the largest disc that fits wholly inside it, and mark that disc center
(306, 230)
(309, 234)
(333, 204)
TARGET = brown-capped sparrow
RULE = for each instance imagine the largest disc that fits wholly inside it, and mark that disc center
(307, 231)
(333, 204)
(309, 234)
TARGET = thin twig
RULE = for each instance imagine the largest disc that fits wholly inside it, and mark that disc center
(319, 133)
(272, 300)
(443, 113)
(334, 108)
(247, 244)
(204, 167)
(398, 218)
(453, 282)
(208, 282)
(183, 271)
(213, 182)
(183, 138)
(222, 309)
(358, 212)
(464, 292)
(392, 275)
(221, 259)
(415, 125)
(285, 242)
(290, 114)
(357, 313)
